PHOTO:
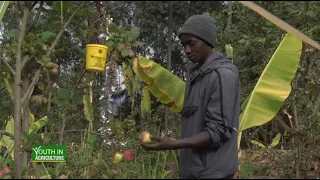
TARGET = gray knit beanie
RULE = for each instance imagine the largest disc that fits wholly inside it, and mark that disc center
(202, 26)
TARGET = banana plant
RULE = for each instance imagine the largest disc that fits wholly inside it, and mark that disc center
(273, 86)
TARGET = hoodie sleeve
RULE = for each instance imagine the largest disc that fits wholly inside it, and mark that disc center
(222, 99)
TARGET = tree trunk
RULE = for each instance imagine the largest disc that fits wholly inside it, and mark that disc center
(17, 99)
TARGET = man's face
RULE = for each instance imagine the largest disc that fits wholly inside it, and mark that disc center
(195, 49)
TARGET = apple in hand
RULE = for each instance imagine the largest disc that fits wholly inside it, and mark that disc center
(63, 176)
(128, 155)
(145, 137)
(117, 157)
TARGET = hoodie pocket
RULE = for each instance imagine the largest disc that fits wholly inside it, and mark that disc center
(210, 155)
(199, 157)
(198, 165)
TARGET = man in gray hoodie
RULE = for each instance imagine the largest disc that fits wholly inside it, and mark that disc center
(210, 115)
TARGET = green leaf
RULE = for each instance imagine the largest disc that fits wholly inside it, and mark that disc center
(13, 33)
(31, 118)
(63, 94)
(258, 143)
(273, 87)
(44, 60)
(36, 126)
(46, 35)
(135, 32)
(125, 51)
(109, 43)
(41, 86)
(113, 28)
(275, 141)
(88, 110)
(137, 44)
(3, 8)
(24, 137)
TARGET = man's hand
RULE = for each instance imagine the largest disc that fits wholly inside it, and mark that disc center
(158, 144)
(199, 140)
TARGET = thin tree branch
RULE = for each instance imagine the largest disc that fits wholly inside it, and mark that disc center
(293, 131)
(10, 68)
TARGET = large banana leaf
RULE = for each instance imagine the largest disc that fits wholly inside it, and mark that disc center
(273, 87)
(165, 86)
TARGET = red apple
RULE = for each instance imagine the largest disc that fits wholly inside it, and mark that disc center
(117, 157)
(128, 155)
(145, 137)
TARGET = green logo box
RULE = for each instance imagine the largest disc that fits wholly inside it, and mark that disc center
(49, 154)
